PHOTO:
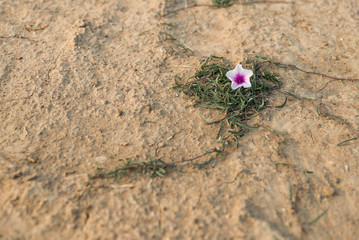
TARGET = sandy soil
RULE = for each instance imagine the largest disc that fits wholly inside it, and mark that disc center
(81, 87)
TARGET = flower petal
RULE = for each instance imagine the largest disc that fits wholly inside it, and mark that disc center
(248, 73)
(235, 85)
(240, 71)
(247, 84)
(231, 74)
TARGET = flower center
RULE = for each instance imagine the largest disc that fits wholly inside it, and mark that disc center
(239, 78)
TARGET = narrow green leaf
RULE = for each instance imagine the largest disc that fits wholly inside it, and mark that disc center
(281, 106)
(159, 174)
(144, 32)
(345, 141)
(319, 217)
(291, 193)
(220, 130)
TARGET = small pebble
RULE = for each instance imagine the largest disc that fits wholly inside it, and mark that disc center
(148, 109)
(101, 159)
(332, 163)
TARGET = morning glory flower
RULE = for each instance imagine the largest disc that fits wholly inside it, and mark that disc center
(240, 77)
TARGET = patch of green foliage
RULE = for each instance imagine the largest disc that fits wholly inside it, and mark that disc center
(210, 88)
(222, 3)
(155, 167)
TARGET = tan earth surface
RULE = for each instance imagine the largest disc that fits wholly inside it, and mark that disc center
(86, 83)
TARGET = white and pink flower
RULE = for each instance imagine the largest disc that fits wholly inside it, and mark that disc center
(240, 77)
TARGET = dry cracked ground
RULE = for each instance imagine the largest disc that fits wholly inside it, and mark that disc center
(86, 83)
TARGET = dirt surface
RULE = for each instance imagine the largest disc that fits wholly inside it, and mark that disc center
(85, 83)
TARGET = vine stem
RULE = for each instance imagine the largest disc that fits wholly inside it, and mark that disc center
(310, 72)
(209, 5)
